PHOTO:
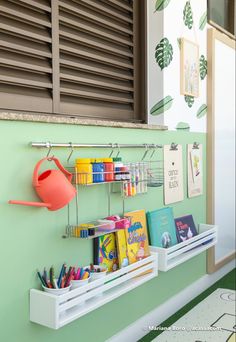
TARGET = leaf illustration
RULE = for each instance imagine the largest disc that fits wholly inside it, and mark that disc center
(202, 111)
(183, 126)
(162, 106)
(164, 53)
(161, 4)
(188, 15)
(203, 67)
(179, 42)
(203, 21)
(189, 100)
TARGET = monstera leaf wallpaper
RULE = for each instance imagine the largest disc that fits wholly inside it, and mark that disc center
(169, 21)
(188, 15)
(164, 53)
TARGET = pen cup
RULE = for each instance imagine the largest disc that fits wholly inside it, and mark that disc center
(56, 292)
(78, 283)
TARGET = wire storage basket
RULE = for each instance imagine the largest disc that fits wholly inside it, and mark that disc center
(136, 178)
(155, 173)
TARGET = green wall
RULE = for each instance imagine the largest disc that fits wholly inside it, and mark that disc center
(31, 237)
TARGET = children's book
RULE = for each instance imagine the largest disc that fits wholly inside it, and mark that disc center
(105, 252)
(161, 227)
(121, 245)
(185, 228)
(137, 236)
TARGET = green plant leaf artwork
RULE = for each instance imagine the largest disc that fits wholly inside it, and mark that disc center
(162, 106)
(164, 53)
(188, 15)
(189, 100)
(202, 111)
(161, 4)
(203, 67)
(203, 21)
(183, 126)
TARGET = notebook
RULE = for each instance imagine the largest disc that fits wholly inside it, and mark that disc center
(185, 228)
(105, 252)
(161, 227)
(137, 236)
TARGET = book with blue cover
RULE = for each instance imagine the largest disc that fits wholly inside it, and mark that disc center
(185, 228)
(161, 226)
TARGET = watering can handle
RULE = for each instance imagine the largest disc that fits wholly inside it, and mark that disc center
(58, 164)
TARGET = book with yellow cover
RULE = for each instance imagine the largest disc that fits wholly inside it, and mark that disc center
(121, 246)
(137, 236)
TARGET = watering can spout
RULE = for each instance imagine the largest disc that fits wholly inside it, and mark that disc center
(31, 204)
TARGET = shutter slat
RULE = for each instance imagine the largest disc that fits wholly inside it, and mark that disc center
(95, 19)
(95, 96)
(122, 5)
(34, 4)
(95, 83)
(97, 32)
(22, 32)
(100, 6)
(98, 46)
(21, 82)
(26, 66)
(95, 57)
(22, 16)
(26, 50)
(99, 71)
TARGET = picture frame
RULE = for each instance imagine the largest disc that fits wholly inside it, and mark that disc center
(189, 68)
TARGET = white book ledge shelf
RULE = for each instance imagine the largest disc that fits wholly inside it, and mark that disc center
(56, 311)
(183, 251)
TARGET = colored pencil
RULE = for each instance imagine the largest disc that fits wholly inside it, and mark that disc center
(41, 279)
(61, 275)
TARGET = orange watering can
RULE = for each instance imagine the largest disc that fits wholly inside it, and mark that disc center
(53, 187)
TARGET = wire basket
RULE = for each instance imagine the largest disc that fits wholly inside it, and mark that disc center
(155, 174)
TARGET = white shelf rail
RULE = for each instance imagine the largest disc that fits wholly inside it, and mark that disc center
(183, 251)
(56, 311)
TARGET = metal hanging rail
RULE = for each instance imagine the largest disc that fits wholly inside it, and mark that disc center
(51, 145)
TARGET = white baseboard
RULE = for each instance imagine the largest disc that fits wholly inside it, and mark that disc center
(140, 328)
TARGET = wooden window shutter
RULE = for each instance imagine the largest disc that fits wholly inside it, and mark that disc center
(76, 57)
(25, 55)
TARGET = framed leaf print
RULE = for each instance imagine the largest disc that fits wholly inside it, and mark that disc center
(189, 68)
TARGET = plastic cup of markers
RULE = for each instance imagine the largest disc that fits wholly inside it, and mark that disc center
(98, 275)
(78, 283)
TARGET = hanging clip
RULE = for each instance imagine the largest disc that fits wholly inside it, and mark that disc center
(71, 152)
(155, 147)
(49, 146)
(118, 146)
(112, 147)
(174, 147)
(196, 146)
(146, 151)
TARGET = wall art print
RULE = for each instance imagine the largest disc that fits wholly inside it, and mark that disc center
(189, 68)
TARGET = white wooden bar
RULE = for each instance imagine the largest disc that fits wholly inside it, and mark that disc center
(183, 251)
(56, 311)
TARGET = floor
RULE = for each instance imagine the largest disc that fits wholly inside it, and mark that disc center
(227, 282)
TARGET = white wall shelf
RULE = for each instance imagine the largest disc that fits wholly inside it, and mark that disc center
(183, 251)
(56, 311)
